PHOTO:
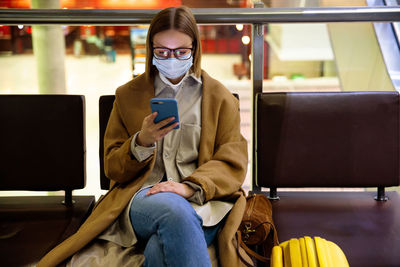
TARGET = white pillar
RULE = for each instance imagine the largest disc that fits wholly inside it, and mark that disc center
(49, 50)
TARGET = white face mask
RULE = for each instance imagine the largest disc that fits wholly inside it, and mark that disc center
(172, 68)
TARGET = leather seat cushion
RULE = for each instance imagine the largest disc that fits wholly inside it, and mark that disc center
(31, 226)
(366, 230)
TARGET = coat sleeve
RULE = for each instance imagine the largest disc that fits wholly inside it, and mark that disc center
(224, 173)
(119, 163)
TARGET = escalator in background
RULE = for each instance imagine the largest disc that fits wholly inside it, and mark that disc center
(364, 56)
(350, 56)
(388, 36)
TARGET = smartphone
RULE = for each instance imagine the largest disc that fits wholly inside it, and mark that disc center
(165, 107)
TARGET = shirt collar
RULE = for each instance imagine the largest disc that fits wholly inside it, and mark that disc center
(161, 82)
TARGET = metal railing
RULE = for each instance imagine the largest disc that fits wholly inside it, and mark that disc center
(255, 16)
(203, 15)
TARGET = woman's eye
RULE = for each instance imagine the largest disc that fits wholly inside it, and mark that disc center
(162, 53)
(180, 53)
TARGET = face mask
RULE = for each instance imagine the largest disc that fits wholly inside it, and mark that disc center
(172, 68)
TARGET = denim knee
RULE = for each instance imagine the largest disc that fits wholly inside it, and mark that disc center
(178, 210)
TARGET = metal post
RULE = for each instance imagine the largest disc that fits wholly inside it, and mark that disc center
(273, 193)
(68, 198)
(257, 70)
(381, 194)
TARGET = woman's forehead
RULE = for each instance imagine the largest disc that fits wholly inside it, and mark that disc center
(172, 39)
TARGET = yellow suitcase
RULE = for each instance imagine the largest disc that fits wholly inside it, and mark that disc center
(308, 252)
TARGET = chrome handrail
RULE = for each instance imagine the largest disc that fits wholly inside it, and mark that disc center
(203, 15)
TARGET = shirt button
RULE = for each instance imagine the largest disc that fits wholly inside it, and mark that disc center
(166, 155)
(170, 179)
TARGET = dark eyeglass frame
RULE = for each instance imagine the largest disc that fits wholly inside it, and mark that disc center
(170, 51)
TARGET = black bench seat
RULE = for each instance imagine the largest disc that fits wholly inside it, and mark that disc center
(338, 139)
(42, 148)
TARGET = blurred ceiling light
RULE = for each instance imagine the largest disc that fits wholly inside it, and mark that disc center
(246, 40)
(20, 27)
(239, 27)
(110, 32)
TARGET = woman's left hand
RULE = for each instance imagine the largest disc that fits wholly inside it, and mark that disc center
(170, 186)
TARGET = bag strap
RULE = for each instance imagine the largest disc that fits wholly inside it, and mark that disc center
(275, 240)
(239, 242)
(248, 250)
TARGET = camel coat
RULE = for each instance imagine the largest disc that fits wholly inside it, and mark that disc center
(222, 164)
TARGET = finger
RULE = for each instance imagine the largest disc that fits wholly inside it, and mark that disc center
(163, 123)
(150, 128)
(149, 120)
(154, 190)
(151, 116)
(161, 187)
(166, 130)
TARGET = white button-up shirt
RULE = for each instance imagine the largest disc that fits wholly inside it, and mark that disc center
(177, 152)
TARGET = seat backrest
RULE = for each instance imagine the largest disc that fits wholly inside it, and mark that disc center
(340, 139)
(105, 106)
(42, 142)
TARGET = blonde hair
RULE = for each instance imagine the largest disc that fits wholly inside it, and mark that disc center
(176, 18)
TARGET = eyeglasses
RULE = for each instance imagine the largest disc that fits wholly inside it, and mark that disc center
(165, 53)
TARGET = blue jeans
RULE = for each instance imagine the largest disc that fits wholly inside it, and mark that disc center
(172, 229)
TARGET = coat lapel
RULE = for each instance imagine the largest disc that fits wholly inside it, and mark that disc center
(208, 121)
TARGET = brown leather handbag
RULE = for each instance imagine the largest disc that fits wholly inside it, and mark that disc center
(257, 228)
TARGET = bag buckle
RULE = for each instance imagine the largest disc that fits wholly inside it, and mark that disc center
(247, 231)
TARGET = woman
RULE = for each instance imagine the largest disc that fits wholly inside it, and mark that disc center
(173, 190)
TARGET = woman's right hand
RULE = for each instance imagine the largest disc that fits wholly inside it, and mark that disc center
(151, 132)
